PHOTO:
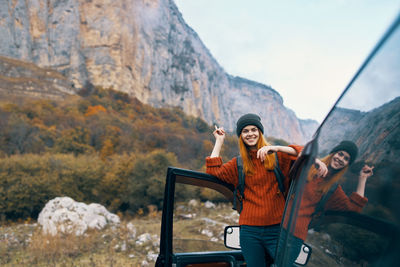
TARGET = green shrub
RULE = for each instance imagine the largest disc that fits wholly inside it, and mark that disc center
(145, 185)
(121, 183)
(28, 181)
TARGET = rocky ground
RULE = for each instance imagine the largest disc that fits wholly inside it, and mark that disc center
(135, 241)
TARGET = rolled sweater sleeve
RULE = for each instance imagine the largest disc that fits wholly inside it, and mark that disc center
(226, 172)
(298, 150)
(286, 160)
(340, 201)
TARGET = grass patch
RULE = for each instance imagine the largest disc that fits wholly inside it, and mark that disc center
(26, 245)
(134, 243)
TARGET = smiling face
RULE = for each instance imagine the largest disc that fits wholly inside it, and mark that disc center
(250, 136)
(340, 160)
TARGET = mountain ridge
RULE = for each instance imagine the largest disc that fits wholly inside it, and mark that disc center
(143, 48)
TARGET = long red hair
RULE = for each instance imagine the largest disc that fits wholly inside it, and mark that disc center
(330, 179)
(269, 162)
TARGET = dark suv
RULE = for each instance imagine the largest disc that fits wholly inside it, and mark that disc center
(368, 114)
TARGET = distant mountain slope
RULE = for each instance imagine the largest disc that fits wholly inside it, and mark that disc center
(369, 130)
(143, 48)
(26, 79)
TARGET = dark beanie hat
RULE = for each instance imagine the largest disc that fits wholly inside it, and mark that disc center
(248, 119)
(349, 147)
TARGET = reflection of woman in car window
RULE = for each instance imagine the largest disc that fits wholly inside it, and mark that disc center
(263, 202)
(322, 191)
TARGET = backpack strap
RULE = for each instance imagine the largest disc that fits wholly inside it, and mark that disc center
(279, 175)
(238, 193)
(320, 207)
(321, 204)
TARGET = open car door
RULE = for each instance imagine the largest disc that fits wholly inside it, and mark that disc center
(191, 249)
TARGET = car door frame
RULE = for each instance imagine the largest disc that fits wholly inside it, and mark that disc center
(166, 255)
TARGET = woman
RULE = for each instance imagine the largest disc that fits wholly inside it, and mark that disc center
(263, 202)
(322, 191)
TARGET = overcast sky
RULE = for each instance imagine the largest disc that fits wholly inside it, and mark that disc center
(307, 50)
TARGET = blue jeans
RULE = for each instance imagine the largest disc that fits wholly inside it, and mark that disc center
(258, 244)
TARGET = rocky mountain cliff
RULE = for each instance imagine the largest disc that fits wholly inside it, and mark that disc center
(143, 48)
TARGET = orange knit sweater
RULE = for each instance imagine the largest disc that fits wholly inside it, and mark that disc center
(338, 201)
(263, 203)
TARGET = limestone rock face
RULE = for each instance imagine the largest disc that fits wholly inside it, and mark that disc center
(65, 215)
(143, 48)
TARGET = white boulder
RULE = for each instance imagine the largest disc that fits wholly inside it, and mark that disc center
(209, 205)
(193, 203)
(143, 238)
(65, 215)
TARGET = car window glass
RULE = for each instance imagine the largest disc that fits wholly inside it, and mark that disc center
(367, 115)
(200, 218)
(379, 83)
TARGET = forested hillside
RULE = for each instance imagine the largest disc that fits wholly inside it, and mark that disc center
(102, 146)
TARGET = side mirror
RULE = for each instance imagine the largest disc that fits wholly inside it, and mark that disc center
(232, 241)
(304, 255)
(232, 237)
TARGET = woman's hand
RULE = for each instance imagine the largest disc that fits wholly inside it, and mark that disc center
(321, 167)
(219, 133)
(263, 152)
(366, 172)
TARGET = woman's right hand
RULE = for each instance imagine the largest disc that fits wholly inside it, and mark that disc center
(219, 133)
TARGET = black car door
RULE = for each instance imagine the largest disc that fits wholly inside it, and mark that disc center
(186, 238)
